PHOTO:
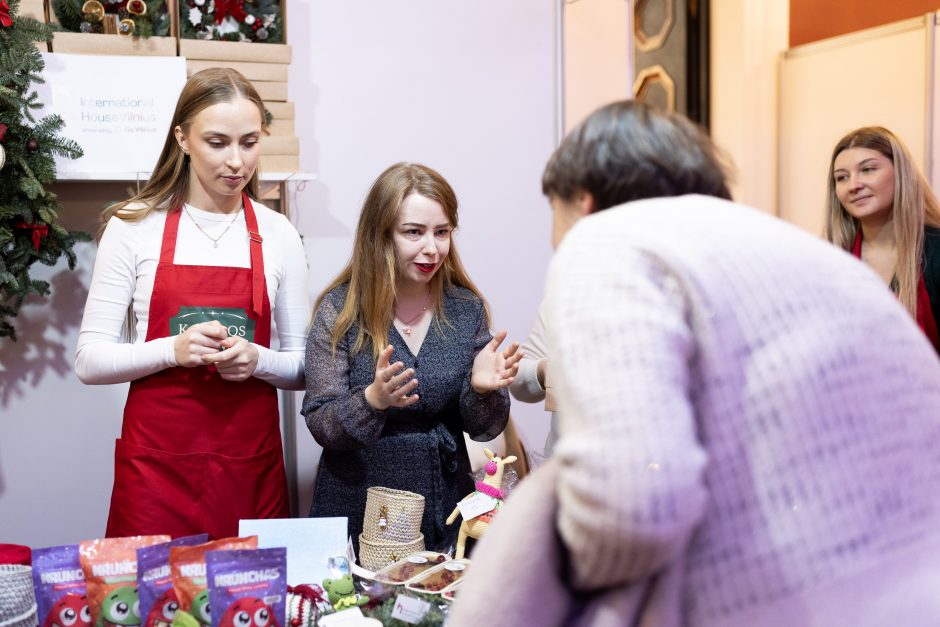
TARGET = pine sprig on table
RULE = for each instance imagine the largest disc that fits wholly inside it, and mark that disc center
(434, 618)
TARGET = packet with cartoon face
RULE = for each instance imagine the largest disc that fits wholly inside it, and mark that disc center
(60, 587)
(188, 570)
(248, 588)
(110, 567)
(158, 602)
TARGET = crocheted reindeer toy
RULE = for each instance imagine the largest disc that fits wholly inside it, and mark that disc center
(479, 507)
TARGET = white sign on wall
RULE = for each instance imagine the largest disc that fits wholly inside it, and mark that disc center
(118, 109)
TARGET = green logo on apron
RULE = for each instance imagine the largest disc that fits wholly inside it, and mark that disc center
(235, 320)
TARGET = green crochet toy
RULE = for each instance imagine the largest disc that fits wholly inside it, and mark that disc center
(184, 619)
(342, 593)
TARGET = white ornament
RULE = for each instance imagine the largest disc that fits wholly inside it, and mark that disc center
(195, 16)
(228, 25)
(199, 3)
(3, 157)
(249, 19)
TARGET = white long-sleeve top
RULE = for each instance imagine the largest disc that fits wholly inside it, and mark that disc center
(748, 404)
(525, 386)
(123, 276)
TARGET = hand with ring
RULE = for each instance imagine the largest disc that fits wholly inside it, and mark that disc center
(392, 386)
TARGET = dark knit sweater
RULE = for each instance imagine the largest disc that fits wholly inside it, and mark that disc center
(419, 448)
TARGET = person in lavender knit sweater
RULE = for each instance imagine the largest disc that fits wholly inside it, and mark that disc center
(750, 421)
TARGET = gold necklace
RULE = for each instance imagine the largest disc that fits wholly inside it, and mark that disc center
(215, 240)
(406, 328)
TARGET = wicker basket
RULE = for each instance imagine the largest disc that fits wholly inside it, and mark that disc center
(392, 516)
(17, 599)
(378, 555)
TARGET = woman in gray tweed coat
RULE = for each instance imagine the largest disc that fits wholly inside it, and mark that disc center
(400, 361)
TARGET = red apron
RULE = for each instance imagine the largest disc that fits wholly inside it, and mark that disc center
(925, 319)
(198, 453)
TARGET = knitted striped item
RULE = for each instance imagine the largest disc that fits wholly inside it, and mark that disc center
(17, 599)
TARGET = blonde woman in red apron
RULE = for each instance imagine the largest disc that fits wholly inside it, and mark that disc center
(205, 270)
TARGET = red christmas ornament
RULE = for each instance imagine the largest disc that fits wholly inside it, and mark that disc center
(5, 18)
(32, 145)
(39, 231)
(3, 131)
(235, 8)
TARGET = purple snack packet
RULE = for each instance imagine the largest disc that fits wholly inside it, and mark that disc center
(60, 587)
(247, 588)
(158, 602)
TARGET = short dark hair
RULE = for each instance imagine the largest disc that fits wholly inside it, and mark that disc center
(629, 150)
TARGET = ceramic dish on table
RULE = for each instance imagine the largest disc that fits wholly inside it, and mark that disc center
(436, 580)
(410, 567)
(450, 592)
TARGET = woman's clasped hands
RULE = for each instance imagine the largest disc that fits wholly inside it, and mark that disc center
(209, 344)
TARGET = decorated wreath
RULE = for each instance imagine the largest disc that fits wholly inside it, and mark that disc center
(138, 18)
(232, 20)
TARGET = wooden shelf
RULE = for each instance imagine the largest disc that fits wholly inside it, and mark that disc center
(67, 177)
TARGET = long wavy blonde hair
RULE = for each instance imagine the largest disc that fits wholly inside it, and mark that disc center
(914, 207)
(169, 183)
(372, 271)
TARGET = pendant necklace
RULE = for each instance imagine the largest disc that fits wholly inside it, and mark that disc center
(407, 329)
(215, 240)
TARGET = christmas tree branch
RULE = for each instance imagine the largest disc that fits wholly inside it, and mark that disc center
(29, 227)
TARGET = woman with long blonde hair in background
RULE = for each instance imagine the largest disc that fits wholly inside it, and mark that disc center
(880, 208)
(400, 360)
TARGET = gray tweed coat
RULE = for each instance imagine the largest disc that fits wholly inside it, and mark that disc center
(418, 448)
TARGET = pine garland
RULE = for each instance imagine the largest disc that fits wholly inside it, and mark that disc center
(68, 13)
(29, 227)
(257, 21)
(154, 22)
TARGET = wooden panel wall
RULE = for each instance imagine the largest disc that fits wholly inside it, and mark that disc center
(812, 20)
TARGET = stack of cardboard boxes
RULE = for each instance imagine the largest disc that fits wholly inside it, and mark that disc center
(265, 65)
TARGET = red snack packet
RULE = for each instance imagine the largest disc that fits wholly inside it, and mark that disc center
(110, 567)
(188, 569)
